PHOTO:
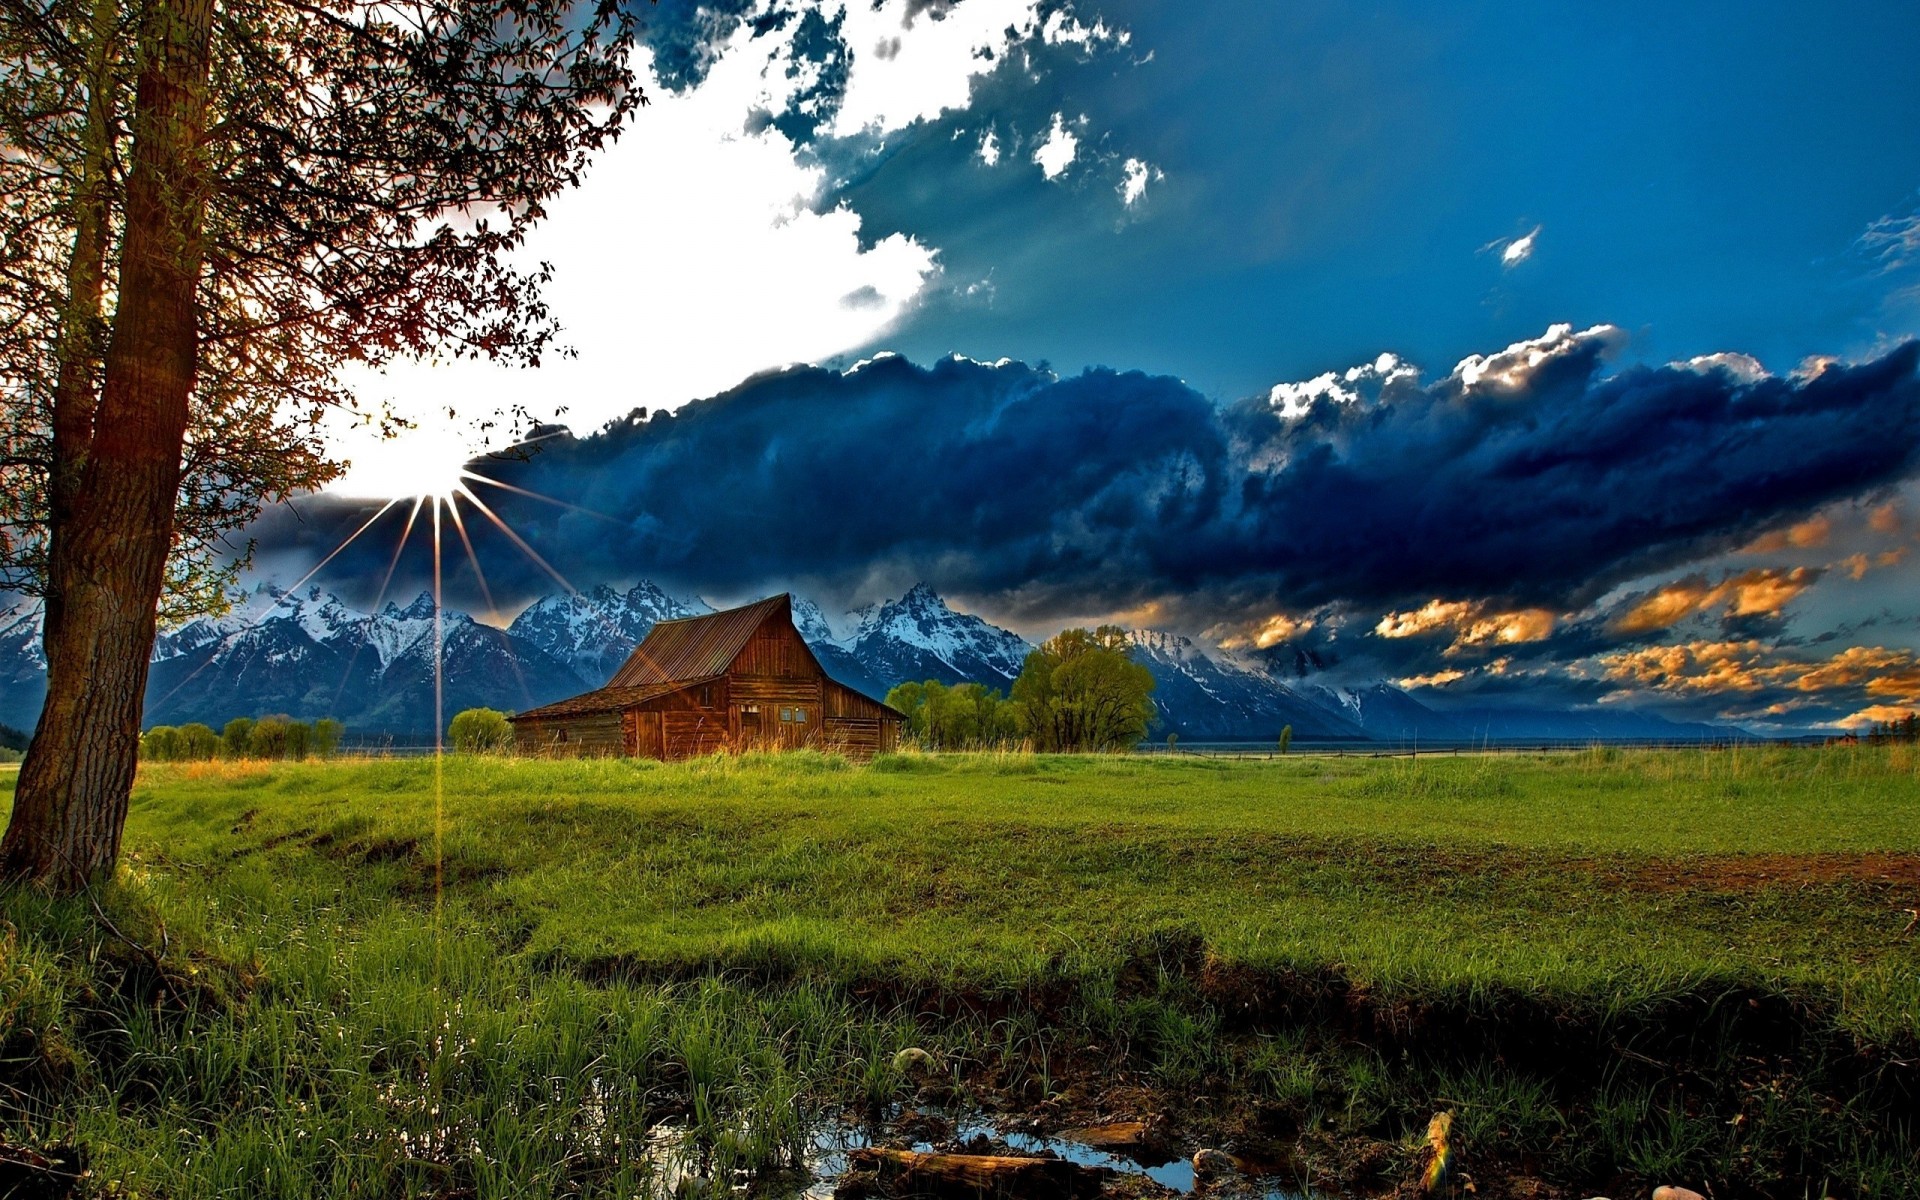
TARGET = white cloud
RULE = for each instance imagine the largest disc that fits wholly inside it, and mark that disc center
(692, 256)
(1368, 381)
(936, 62)
(1133, 183)
(990, 149)
(1892, 242)
(1058, 151)
(1520, 249)
(1063, 28)
(1514, 366)
(1743, 367)
(689, 259)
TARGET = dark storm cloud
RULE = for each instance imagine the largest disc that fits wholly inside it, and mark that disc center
(1092, 493)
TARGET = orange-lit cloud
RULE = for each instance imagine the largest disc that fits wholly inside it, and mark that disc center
(1808, 534)
(1261, 634)
(1874, 714)
(1690, 667)
(1471, 623)
(1747, 666)
(1885, 519)
(1763, 591)
(1437, 679)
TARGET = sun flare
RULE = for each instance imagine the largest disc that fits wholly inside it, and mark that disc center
(417, 463)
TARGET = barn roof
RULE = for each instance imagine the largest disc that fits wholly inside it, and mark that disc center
(606, 699)
(695, 648)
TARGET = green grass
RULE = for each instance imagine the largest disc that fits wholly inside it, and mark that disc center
(984, 872)
(397, 984)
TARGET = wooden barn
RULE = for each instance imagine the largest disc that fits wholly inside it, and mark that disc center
(743, 679)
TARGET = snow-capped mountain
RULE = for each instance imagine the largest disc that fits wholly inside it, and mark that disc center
(23, 665)
(918, 637)
(1203, 698)
(593, 633)
(311, 654)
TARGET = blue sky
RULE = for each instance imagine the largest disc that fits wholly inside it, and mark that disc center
(1700, 175)
(1492, 348)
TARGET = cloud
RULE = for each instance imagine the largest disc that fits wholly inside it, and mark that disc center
(1760, 592)
(1135, 174)
(1513, 367)
(1468, 623)
(990, 149)
(709, 241)
(1774, 681)
(1056, 153)
(1892, 242)
(1039, 495)
(1516, 250)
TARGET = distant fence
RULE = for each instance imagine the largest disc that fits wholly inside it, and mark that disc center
(1251, 750)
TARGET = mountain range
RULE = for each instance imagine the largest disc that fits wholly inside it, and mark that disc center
(311, 654)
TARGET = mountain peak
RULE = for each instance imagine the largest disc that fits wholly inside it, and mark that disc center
(421, 609)
(922, 595)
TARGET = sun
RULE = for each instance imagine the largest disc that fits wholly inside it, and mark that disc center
(418, 463)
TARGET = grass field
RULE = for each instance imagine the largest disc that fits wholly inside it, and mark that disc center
(400, 976)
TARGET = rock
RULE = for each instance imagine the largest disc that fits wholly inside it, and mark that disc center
(915, 1061)
(1211, 1164)
(1676, 1193)
(1439, 1152)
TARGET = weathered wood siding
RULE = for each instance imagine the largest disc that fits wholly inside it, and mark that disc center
(773, 695)
(589, 735)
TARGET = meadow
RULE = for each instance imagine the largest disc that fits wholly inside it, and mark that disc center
(498, 976)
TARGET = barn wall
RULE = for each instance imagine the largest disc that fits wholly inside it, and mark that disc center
(588, 736)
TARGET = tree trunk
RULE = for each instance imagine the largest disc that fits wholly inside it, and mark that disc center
(109, 551)
(76, 389)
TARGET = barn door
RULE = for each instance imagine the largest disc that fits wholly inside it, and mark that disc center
(750, 726)
(644, 739)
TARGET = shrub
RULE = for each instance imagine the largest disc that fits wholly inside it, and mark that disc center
(326, 737)
(479, 731)
(162, 743)
(198, 742)
(271, 737)
(236, 740)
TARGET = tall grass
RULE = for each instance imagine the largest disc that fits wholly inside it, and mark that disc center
(624, 978)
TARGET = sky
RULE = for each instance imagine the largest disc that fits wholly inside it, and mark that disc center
(1497, 350)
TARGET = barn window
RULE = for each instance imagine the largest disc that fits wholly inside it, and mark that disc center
(786, 714)
(560, 735)
(800, 714)
(751, 710)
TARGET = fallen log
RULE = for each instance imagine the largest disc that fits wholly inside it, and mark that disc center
(909, 1173)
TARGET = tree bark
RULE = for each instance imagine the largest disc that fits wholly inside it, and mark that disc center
(109, 550)
(76, 390)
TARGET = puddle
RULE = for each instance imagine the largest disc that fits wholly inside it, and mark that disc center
(833, 1142)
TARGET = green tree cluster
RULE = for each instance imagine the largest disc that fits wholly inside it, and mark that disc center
(480, 731)
(965, 716)
(243, 737)
(1081, 690)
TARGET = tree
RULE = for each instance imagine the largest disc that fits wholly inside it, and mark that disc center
(198, 743)
(479, 730)
(236, 738)
(271, 738)
(162, 743)
(210, 210)
(1286, 738)
(1173, 743)
(327, 733)
(964, 716)
(1081, 690)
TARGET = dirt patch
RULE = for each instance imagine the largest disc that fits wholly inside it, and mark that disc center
(1764, 872)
